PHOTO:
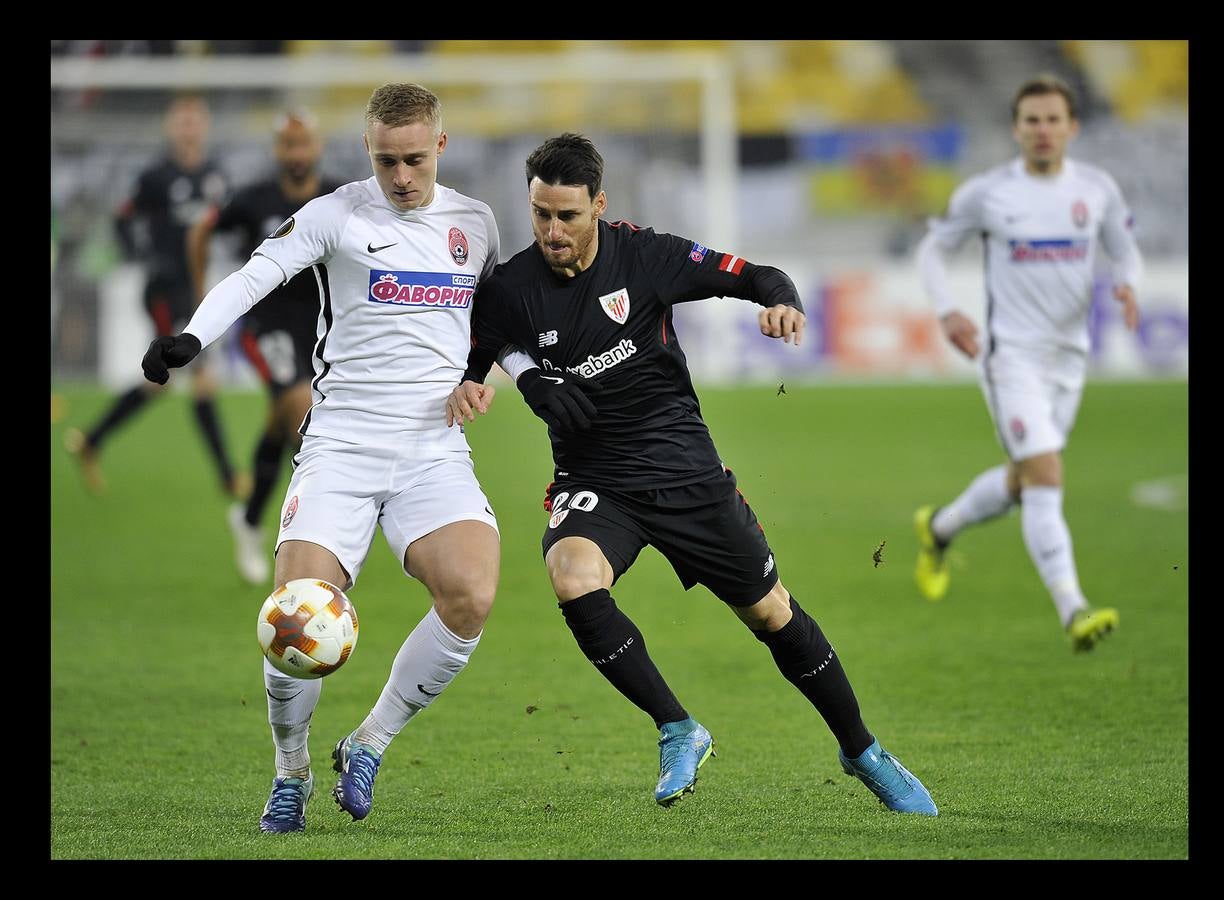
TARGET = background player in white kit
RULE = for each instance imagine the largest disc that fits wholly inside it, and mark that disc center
(397, 258)
(1041, 216)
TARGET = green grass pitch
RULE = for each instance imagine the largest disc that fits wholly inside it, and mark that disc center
(159, 740)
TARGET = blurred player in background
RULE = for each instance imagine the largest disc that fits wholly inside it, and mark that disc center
(637, 467)
(170, 196)
(278, 335)
(1041, 216)
(396, 259)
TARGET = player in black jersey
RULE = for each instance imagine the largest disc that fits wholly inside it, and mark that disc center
(170, 195)
(635, 464)
(279, 333)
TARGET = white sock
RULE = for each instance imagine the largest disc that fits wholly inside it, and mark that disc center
(1049, 545)
(291, 703)
(428, 661)
(986, 498)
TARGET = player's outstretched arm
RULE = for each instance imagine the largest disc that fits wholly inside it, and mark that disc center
(217, 312)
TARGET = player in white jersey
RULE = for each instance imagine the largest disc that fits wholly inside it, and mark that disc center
(1042, 217)
(397, 258)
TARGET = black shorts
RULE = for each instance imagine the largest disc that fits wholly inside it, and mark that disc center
(281, 352)
(168, 302)
(706, 531)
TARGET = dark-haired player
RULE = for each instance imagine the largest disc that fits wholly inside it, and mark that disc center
(170, 196)
(591, 302)
(279, 333)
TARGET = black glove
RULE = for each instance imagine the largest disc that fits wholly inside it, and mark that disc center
(167, 353)
(560, 398)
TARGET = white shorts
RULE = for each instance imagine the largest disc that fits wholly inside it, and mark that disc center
(1033, 397)
(339, 491)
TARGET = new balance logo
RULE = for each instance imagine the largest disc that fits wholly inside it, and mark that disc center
(769, 564)
(548, 338)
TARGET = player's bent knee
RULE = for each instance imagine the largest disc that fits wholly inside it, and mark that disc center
(304, 559)
(576, 566)
(1044, 470)
(464, 611)
(769, 613)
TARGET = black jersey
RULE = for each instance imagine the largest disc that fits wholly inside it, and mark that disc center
(613, 323)
(255, 212)
(169, 199)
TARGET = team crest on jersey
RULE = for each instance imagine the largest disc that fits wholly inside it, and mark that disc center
(558, 518)
(616, 305)
(286, 227)
(1079, 214)
(458, 246)
(1017, 429)
(697, 254)
(290, 511)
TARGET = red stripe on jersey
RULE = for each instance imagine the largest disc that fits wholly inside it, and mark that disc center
(251, 348)
(619, 222)
(664, 320)
(732, 264)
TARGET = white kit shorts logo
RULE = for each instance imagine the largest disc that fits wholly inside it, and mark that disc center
(290, 511)
(616, 305)
(444, 289)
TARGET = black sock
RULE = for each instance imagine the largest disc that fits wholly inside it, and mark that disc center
(613, 643)
(210, 424)
(807, 660)
(125, 407)
(266, 467)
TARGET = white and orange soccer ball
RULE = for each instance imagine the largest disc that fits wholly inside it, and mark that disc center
(307, 628)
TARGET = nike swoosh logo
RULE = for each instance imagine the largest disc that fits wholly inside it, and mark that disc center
(425, 692)
(553, 379)
(280, 699)
(370, 248)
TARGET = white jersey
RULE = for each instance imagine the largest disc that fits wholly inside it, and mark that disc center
(1041, 236)
(395, 290)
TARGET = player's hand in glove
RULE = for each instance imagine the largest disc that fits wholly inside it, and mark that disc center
(167, 353)
(562, 399)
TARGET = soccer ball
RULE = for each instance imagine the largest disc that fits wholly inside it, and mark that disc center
(307, 628)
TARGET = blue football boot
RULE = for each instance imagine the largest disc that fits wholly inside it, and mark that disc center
(286, 807)
(885, 777)
(357, 765)
(683, 747)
